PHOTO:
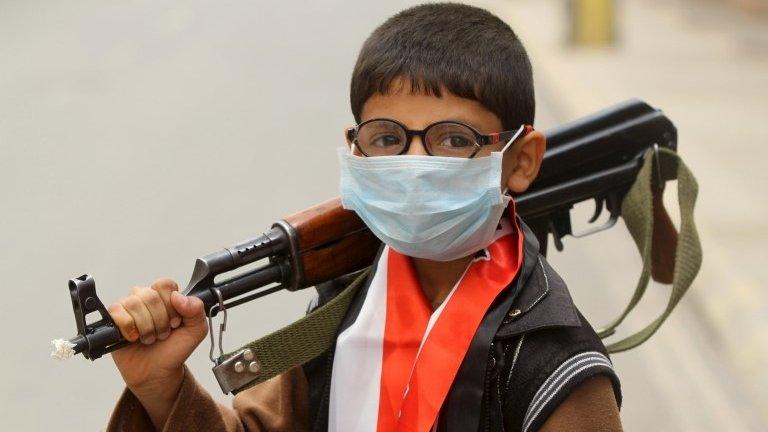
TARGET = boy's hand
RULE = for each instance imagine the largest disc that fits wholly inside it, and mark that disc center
(169, 327)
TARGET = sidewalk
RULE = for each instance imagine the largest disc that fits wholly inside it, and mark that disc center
(706, 65)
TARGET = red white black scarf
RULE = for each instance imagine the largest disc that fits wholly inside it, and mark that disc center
(394, 365)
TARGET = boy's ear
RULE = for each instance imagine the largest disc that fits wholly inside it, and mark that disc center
(348, 135)
(523, 161)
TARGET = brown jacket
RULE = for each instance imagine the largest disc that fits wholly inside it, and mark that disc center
(277, 405)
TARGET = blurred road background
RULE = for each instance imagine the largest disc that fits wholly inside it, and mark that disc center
(136, 136)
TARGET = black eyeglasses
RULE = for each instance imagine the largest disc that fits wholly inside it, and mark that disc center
(386, 137)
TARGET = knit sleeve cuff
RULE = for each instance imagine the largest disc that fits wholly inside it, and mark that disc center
(562, 381)
(192, 403)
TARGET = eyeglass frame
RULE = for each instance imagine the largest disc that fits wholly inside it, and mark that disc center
(480, 138)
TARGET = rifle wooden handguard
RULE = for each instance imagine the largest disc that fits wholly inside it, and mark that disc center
(331, 241)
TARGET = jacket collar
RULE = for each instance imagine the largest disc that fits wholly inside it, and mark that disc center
(543, 300)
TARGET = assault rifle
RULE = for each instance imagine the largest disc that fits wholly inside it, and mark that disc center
(596, 158)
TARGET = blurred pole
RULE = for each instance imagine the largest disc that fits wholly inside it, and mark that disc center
(752, 7)
(592, 22)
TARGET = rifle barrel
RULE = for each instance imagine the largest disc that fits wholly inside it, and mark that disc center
(103, 337)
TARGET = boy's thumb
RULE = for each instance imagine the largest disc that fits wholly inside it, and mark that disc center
(190, 308)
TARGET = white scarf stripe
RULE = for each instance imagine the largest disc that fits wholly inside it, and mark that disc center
(357, 371)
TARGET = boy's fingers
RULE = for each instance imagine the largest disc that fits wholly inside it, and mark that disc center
(141, 317)
(165, 287)
(124, 322)
(157, 309)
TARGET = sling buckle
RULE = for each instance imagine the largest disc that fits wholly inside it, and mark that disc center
(237, 371)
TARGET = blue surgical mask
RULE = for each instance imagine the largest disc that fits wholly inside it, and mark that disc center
(432, 207)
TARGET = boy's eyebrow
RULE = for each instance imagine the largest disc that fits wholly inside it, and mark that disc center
(456, 119)
(464, 120)
(471, 123)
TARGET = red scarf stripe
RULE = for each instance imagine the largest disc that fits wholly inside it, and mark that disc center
(408, 313)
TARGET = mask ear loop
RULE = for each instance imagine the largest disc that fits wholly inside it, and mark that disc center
(506, 146)
(514, 137)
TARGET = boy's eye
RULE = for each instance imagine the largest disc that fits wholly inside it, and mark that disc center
(451, 139)
(456, 141)
(385, 140)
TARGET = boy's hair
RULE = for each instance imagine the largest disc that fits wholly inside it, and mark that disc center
(464, 49)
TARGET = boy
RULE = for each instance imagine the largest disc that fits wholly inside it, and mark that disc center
(461, 325)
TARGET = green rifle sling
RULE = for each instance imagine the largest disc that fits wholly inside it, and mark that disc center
(637, 211)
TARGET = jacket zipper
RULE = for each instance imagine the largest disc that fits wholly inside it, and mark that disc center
(487, 390)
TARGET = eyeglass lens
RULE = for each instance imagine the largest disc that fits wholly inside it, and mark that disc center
(387, 138)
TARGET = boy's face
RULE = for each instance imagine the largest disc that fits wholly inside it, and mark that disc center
(522, 159)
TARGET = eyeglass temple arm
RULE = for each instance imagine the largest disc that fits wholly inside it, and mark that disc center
(506, 136)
